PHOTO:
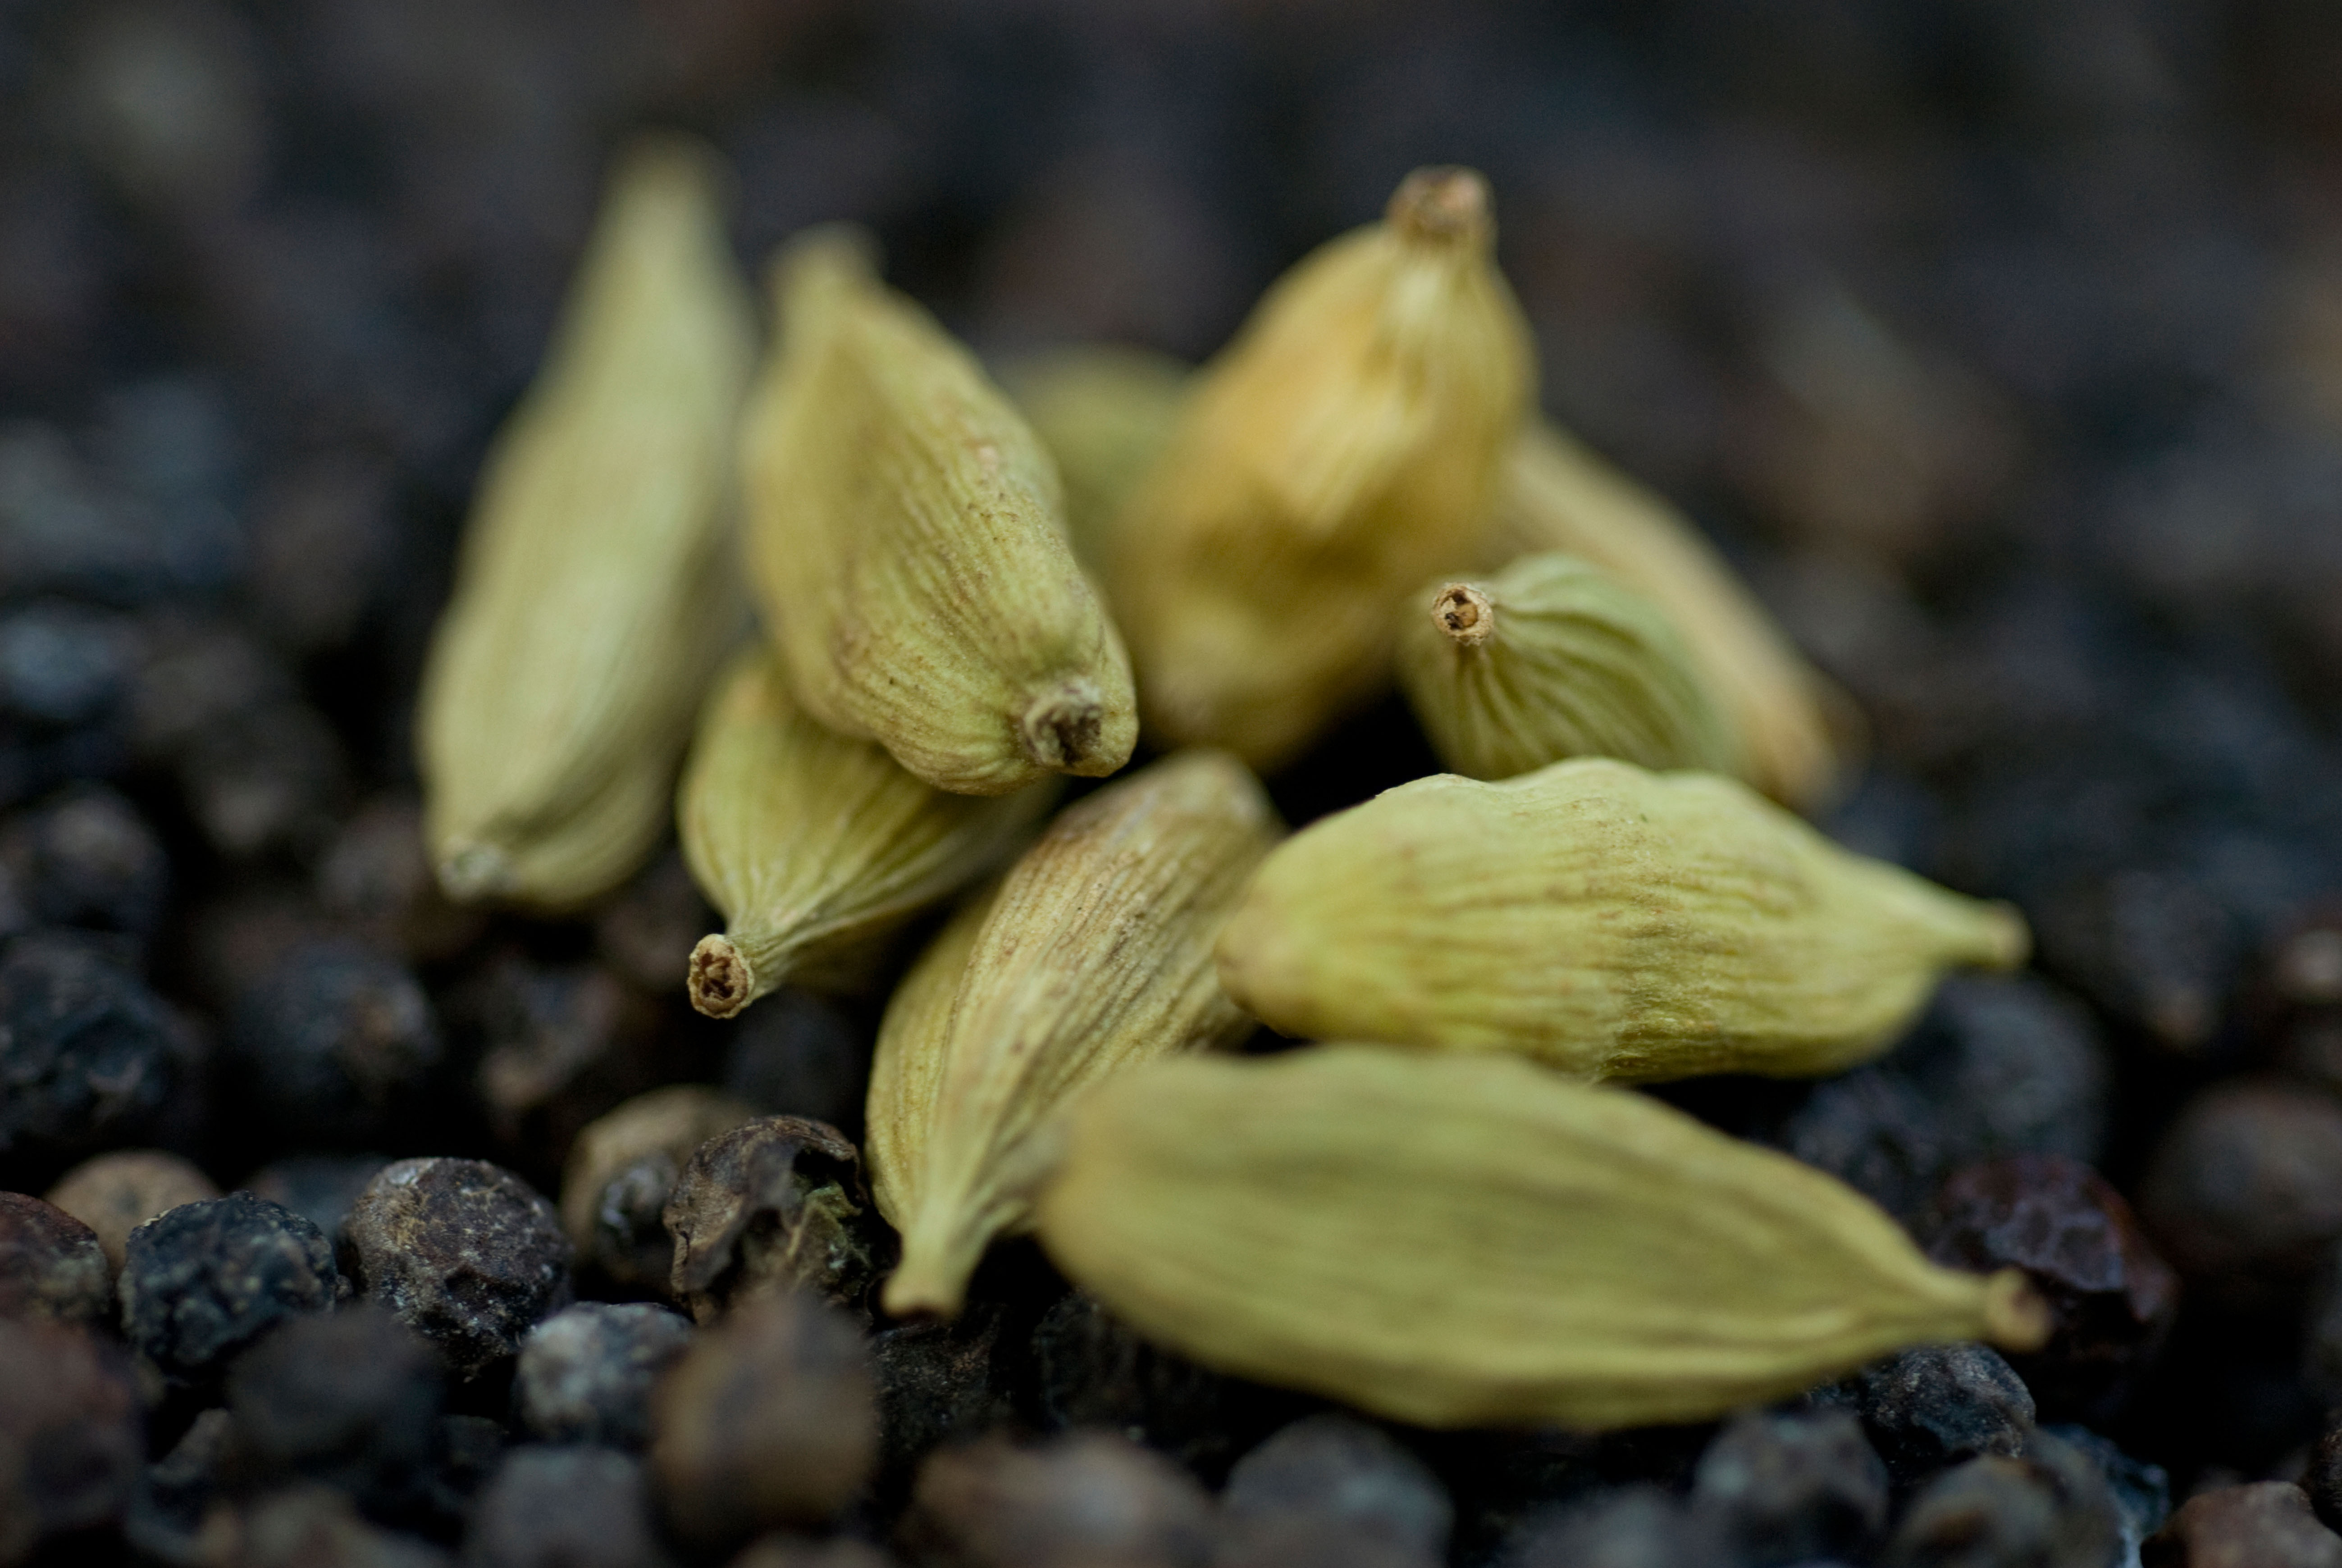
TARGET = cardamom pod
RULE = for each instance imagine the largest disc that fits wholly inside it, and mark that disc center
(904, 535)
(1094, 954)
(1607, 921)
(1346, 446)
(812, 845)
(1560, 495)
(1104, 411)
(594, 593)
(1476, 1241)
(1552, 658)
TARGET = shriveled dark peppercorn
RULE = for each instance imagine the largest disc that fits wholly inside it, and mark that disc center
(1935, 1405)
(576, 1506)
(115, 1194)
(337, 1041)
(1093, 1370)
(466, 1252)
(2244, 1194)
(766, 1420)
(2111, 1296)
(351, 1399)
(268, 780)
(1782, 1487)
(623, 1168)
(89, 1057)
(71, 1434)
(205, 1279)
(2265, 1525)
(775, 1203)
(1081, 1498)
(320, 1188)
(2051, 1508)
(937, 1382)
(86, 858)
(52, 1267)
(1330, 1479)
(585, 1373)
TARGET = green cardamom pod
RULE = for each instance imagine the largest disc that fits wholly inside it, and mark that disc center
(1104, 411)
(1560, 495)
(1467, 1242)
(594, 595)
(1552, 658)
(814, 845)
(905, 537)
(1608, 922)
(1346, 445)
(1094, 954)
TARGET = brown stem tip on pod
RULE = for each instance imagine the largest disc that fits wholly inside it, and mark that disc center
(1465, 613)
(1607, 921)
(1474, 1241)
(814, 845)
(1094, 956)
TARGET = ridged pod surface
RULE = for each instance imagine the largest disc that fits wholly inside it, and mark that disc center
(1346, 445)
(1104, 411)
(1560, 495)
(1463, 1242)
(812, 844)
(1553, 658)
(1610, 922)
(906, 541)
(1094, 954)
(593, 595)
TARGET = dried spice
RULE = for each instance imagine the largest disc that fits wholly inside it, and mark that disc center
(1552, 658)
(907, 536)
(812, 844)
(594, 595)
(773, 1204)
(1348, 443)
(1607, 921)
(1094, 954)
(1558, 495)
(622, 1170)
(1104, 411)
(1475, 1240)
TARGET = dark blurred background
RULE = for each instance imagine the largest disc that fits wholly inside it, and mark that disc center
(1999, 340)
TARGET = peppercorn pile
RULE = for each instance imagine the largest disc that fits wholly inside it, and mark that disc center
(404, 1163)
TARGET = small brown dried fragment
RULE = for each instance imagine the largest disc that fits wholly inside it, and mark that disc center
(1084, 1499)
(622, 1170)
(773, 1204)
(115, 1194)
(2265, 1525)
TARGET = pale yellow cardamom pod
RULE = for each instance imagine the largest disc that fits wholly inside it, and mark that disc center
(1104, 411)
(1607, 921)
(1560, 495)
(1553, 658)
(814, 845)
(1348, 443)
(905, 531)
(593, 595)
(1465, 1242)
(1094, 954)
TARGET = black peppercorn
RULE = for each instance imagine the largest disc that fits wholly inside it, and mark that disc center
(376, 879)
(623, 1168)
(166, 1518)
(203, 1281)
(52, 1266)
(1334, 1484)
(1796, 1484)
(468, 1253)
(795, 1053)
(86, 858)
(565, 1044)
(70, 1434)
(585, 1373)
(320, 1188)
(1934, 1405)
(2050, 1507)
(309, 1526)
(2245, 1191)
(337, 1041)
(566, 1507)
(351, 1399)
(1081, 1498)
(1636, 1527)
(775, 1204)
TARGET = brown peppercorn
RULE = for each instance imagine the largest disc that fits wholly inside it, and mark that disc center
(768, 1420)
(775, 1204)
(71, 1437)
(798, 1552)
(52, 1268)
(1083, 1498)
(115, 1194)
(2245, 1191)
(2266, 1524)
(622, 1170)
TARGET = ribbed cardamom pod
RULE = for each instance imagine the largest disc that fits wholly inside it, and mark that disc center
(1607, 921)
(904, 527)
(812, 845)
(594, 595)
(1476, 1242)
(1348, 443)
(1104, 411)
(1094, 954)
(1560, 495)
(1553, 658)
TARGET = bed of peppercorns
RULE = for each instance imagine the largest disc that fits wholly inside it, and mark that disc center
(2000, 345)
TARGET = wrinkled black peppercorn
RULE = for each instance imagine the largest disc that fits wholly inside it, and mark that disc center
(2050, 1507)
(1334, 1484)
(86, 858)
(337, 1041)
(1636, 1527)
(1935, 1405)
(1789, 1486)
(203, 1281)
(775, 1203)
(351, 1399)
(585, 1373)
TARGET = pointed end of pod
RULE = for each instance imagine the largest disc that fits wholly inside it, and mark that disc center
(1443, 205)
(1068, 729)
(2015, 1317)
(1465, 614)
(469, 873)
(721, 980)
(2003, 940)
(931, 1282)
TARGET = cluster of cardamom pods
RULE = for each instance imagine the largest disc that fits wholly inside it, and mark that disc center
(955, 597)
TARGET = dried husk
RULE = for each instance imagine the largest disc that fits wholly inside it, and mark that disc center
(814, 845)
(1104, 411)
(1347, 444)
(1553, 658)
(1462, 1242)
(623, 1166)
(1607, 921)
(1793, 724)
(907, 542)
(593, 595)
(1094, 954)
